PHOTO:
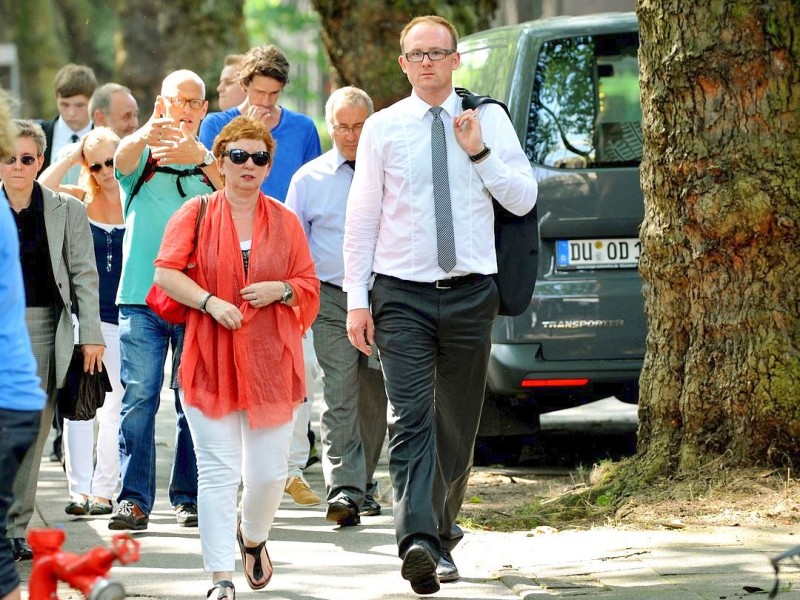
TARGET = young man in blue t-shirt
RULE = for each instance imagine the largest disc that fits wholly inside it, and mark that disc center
(263, 75)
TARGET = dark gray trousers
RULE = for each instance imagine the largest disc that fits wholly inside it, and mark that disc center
(353, 418)
(434, 347)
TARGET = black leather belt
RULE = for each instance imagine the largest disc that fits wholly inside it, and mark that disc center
(445, 284)
(333, 285)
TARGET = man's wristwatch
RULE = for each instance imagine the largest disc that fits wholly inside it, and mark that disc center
(477, 157)
(208, 160)
(288, 292)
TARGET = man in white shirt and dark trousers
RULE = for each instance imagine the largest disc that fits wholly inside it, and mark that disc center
(353, 419)
(420, 219)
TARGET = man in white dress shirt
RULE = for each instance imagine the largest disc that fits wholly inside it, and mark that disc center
(74, 85)
(420, 220)
(353, 419)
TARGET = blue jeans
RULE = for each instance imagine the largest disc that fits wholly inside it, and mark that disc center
(18, 431)
(144, 339)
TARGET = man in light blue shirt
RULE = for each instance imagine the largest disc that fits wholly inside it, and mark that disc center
(21, 396)
(353, 419)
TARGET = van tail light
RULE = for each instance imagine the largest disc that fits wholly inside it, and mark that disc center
(550, 383)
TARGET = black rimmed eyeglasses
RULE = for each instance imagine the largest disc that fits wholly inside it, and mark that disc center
(239, 156)
(194, 103)
(434, 55)
(25, 159)
(95, 167)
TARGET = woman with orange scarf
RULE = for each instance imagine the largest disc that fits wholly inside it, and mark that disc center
(252, 283)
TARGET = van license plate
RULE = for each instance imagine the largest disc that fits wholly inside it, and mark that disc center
(604, 254)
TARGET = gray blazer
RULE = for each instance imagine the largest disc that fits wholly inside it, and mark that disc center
(69, 236)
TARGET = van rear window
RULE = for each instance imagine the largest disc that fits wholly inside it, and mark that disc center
(585, 110)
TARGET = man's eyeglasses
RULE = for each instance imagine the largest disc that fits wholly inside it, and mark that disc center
(95, 167)
(436, 54)
(194, 103)
(239, 157)
(345, 129)
(25, 159)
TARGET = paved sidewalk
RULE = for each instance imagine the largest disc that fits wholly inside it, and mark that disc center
(314, 560)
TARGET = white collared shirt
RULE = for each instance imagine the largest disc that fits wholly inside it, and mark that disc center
(390, 226)
(318, 196)
(62, 135)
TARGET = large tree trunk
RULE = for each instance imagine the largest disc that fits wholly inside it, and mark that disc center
(361, 38)
(721, 261)
(158, 37)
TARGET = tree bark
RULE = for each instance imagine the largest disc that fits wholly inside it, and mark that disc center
(720, 262)
(361, 39)
(157, 38)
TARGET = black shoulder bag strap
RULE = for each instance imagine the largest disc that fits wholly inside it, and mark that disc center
(151, 167)
(516, 238)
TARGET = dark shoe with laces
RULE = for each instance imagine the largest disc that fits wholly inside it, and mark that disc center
(343, 511)
(128, 516)
(21, 549)
(446, 570)
(419, 568)
(186, 514)
(371, 508)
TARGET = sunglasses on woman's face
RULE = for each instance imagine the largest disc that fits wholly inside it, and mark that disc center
(25, 159)
(95, 167)
(239, 157)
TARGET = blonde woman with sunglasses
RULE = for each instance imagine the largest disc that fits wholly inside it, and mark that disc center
(92, 484)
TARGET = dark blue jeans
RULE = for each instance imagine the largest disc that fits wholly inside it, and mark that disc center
(18, 431)
(144, 340)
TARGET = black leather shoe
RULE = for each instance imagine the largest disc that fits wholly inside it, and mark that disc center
(371, 507)
(446, 570)
(21, 549)
(343, 511)
(419, 568)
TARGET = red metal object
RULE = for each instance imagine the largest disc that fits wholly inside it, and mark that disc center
(86, 573)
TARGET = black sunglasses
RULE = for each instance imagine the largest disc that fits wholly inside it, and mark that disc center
(95, 167)
(25, 159)
(239, 157)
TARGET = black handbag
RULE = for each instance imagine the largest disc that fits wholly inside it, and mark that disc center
(83, 393)
(516, 240)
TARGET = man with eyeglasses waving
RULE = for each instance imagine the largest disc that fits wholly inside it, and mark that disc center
(420, 220)
(159, 167)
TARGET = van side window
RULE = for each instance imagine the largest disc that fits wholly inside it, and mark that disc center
(585, 110)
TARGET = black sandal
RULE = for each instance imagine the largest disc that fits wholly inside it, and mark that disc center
(223, 587)
(258, 567)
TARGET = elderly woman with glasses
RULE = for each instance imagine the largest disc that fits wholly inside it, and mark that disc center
(92, 483)
(59, 275)
(249, 276)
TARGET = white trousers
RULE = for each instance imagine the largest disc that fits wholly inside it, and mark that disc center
(85, 476)
(229, 452)
(298, 455)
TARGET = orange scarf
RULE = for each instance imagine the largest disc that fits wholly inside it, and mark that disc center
(258, 368)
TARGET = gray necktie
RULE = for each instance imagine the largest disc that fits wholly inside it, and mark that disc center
(445, 240)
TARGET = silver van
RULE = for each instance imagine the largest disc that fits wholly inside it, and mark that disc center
(571, 86)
